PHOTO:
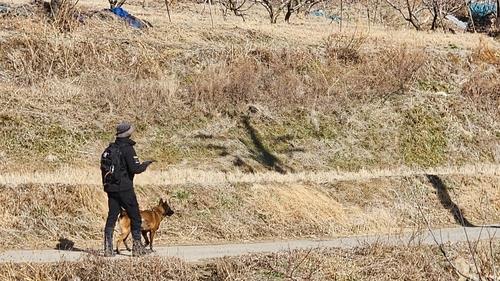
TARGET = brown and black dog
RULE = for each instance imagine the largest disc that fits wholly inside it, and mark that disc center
(151, 220)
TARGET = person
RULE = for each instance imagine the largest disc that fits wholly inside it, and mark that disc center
(121, 194)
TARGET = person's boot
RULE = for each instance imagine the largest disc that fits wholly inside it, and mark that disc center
(138, 248)
(108, 242)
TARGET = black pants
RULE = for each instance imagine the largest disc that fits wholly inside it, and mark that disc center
(128, 201)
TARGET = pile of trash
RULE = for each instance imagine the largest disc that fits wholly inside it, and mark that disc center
(484, 16)
(479, 17)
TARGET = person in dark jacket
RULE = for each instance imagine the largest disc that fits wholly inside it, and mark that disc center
(122, 195)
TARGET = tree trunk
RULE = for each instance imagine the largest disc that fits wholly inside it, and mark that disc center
(274, 16)
(471, 17)
(368, 14)
(434, 18)
(341, 14)
(411, 18)
(289, 12)
(168, 11)
(498, 15)
(270, 11)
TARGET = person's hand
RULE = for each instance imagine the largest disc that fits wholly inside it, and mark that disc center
(148, 162)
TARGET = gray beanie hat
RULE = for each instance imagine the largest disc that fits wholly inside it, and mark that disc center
(124, 130)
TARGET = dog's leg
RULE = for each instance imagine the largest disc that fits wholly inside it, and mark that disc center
(118, 240)
(124, 240)
(145, 235)
(151, 237)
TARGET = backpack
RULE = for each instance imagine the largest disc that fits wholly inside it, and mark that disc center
(111, 165)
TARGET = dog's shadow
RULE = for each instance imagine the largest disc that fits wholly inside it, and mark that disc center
(68, 245)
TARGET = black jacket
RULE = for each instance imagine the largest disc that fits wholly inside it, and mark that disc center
(130, 166)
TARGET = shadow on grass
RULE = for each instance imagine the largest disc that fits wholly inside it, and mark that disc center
(261, 153)
(446, 202)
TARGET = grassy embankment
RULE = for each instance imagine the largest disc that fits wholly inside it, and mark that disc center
(250, 98)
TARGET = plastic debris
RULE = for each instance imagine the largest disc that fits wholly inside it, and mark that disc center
(458, 23)
(322, 13)
(4, 8)
(130, 19)
(318, 13)
(482, 9)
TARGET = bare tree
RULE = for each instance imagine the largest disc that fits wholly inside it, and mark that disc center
(367, 5)
(276, 7)
(498, 16)
(273, 8)
(295, 5)
(237, 7)
(440, 9)
(411, 10)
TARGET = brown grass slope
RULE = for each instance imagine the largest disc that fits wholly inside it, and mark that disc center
(247, 95)
(38, 216)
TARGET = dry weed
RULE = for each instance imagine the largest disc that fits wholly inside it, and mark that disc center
(35, 215)
(374, 262)
(483, 88)
(79, 84)
(483, 84)
(344, 47)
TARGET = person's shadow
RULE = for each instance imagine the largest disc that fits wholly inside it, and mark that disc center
(446, 202)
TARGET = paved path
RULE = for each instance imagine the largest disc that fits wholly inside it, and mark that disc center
(200, 252)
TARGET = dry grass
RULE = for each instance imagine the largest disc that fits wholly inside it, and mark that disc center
(360, 98)
(365, 263)
(316, 100)
(483, 87)
(38, 215)
(297, 204)
(201, 177)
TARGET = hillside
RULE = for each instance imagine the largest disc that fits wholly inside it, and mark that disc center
(246, 95)
(261, 132)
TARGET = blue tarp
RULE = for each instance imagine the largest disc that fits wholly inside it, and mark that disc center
(482, 9)
(131, 20)
(321, 13)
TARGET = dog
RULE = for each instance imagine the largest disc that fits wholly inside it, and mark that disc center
(151, 220)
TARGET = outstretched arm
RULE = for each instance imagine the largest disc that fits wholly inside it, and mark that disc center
(134, 166)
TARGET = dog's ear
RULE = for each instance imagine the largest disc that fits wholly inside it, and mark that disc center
(161, 201)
